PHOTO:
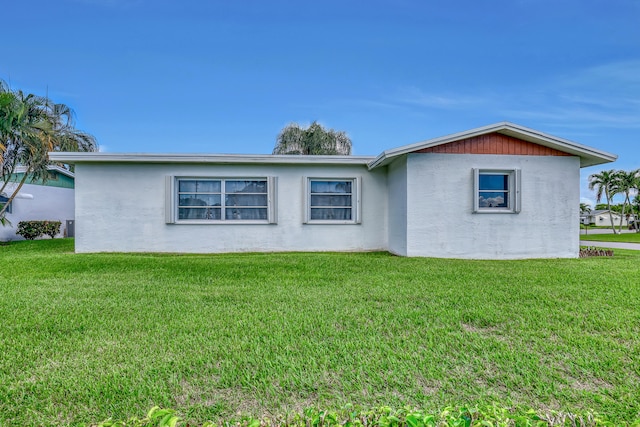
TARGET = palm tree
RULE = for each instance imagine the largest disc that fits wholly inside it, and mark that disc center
(604, 183)
(314, 140)
(623, 183)
(636, 205)
(30, 127)
(585, 208)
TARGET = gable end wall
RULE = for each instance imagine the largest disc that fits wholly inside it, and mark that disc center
(494, 143)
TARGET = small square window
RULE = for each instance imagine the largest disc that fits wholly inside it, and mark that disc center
(332, 200)
(496, 190)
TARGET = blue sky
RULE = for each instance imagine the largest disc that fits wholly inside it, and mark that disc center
(226, 76)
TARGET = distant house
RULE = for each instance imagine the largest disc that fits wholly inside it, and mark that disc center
(602, 218)
(483, 193)
(37, 200)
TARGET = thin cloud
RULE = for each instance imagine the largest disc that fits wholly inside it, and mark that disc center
(417, 96)
(611, 74)
(121, 4)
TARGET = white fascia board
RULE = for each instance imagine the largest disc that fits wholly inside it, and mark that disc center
(588, 156)
(72, 157)
(22, 169)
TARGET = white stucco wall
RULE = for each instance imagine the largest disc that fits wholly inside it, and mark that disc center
(441, 222)
(48, 203)
(121, 208)
(397, 182)
(603, 220)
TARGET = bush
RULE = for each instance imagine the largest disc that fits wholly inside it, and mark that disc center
(31, 230)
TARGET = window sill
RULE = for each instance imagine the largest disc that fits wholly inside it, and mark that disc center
(228, 222)
(495, 211)
(330, 222)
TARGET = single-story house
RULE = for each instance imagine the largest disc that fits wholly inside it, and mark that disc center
(52, 199)
(601, 218)
(481, 193)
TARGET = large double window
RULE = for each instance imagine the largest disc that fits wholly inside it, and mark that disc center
(332, 200)
(221, 199)
(496, 191)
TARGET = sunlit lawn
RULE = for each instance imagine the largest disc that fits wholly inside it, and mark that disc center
(86, 337)
(626, 237)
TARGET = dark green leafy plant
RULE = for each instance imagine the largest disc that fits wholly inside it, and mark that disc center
(31, 230)
(464, 416)
(156, 417)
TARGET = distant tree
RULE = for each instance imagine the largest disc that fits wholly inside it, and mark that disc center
(636, 206)
(585, 208)
(604, 184)
(624, 183)
(314, 140)
(30, 127)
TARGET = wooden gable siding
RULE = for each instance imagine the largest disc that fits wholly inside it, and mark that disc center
(494, 143)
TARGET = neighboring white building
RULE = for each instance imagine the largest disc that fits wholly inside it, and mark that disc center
(52, 200)
(482, 193)
(602, 218)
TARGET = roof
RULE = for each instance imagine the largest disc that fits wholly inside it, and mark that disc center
(73, 158)
(56, 168)
(588, 156)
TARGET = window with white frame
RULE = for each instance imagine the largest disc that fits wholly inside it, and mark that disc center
(220, 199)
(333, 200)
(496, 190)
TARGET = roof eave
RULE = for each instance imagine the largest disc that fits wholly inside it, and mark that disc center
(63, 171)
(75, 158)
(588, 156)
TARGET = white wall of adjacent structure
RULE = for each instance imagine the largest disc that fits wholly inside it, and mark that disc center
(47, 203)
(441, 221)
(604, 220)
(120, 207)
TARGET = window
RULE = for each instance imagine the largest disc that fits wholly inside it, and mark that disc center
(220, 199)
(496, 191)
(3, 201)
(333, 200)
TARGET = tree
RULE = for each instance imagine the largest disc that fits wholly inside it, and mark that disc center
(623, 183)
(314, 140)
(585, 208)
(30, 127)
(604, 183)
(636, 205)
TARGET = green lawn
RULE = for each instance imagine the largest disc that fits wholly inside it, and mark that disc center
(626, 237)
(85, 337)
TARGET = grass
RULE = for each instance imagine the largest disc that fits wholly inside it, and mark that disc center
(626, 237)
(86, 337)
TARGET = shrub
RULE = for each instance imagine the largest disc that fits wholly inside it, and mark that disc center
(51, 228)
(31, 230)
(490, 415)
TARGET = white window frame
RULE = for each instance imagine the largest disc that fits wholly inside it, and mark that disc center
(356, 205)
(171, 200)
(3, 201)
(513, 193)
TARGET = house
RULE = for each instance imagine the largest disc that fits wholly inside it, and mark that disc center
(52, 199)
(601, 218)
(483, 193)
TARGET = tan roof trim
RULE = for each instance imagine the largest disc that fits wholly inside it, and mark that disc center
(74, 158)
